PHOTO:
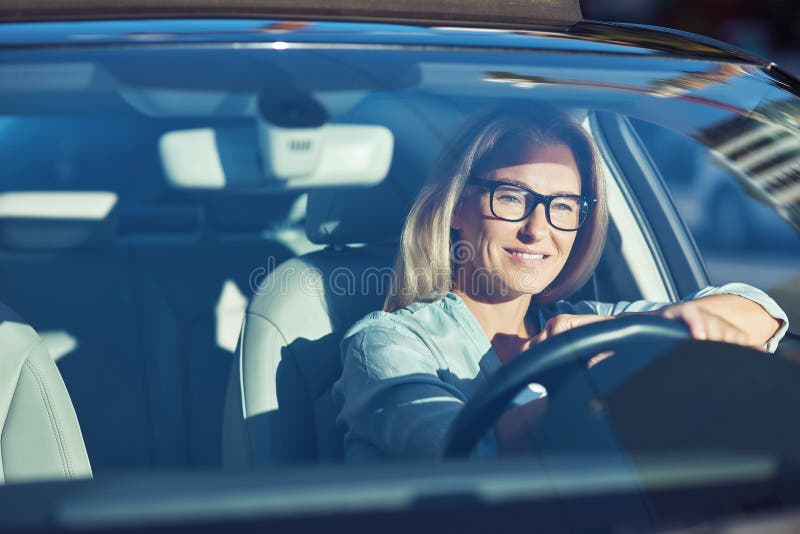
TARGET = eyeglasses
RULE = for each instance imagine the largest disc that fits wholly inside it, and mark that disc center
(513, 202)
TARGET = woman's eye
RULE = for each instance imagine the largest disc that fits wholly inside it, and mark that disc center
(508, 197)
(562, 206)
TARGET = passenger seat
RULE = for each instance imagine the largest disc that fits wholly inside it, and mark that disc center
(40, 438)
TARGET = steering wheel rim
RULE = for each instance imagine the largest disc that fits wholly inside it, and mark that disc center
(571, 348)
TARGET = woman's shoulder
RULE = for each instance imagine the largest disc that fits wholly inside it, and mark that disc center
(415, 320)
(377, 339)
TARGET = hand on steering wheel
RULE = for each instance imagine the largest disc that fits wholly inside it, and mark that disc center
(704, 325)
(559, 353)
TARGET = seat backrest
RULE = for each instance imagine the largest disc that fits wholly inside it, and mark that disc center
(190, 289)
(40, 438)
(279, 407)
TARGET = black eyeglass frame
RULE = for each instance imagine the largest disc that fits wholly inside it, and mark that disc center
(586, 202)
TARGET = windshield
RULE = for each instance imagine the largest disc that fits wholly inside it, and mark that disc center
(156, 197)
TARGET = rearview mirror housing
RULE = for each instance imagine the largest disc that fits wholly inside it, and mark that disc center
(270, 157)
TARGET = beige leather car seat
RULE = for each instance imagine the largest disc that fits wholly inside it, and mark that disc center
(40, 438)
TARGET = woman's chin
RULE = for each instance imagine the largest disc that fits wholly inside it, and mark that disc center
(528, 291)
(525, 289)
(527, 281)
(539, 289)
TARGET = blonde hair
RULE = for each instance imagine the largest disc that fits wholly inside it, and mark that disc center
(423, 268)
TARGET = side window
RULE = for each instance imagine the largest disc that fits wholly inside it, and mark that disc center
(740, 239)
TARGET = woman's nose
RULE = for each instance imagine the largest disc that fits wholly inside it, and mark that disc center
(535, 227)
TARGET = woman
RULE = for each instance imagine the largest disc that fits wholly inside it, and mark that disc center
(512, 221)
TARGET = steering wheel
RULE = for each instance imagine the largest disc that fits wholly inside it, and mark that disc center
(553, 360)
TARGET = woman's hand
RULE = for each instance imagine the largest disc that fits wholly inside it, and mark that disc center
(561, 323)
(705, 325)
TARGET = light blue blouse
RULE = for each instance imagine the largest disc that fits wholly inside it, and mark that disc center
(406, 374)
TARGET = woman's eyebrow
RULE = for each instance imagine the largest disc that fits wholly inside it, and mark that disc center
(526, 186)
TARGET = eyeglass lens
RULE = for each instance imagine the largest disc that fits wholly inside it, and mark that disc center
(513, 203)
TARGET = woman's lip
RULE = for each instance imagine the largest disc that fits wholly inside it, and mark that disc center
(527, 258)
(523, 251)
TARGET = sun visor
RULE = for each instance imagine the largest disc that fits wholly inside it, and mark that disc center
(57, 220)
(267, 157)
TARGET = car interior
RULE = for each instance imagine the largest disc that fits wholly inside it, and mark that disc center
(144, 364)
(198, 327)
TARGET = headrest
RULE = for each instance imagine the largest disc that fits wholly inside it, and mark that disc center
(57, 220)
(422, 125)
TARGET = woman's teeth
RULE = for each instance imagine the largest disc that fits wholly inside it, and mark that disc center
(527, 256)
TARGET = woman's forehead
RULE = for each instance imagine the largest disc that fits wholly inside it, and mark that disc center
(547, 169)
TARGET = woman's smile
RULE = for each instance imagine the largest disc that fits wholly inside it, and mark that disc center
(527, 257)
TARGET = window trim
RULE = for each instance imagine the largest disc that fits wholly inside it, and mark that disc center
(682, 271)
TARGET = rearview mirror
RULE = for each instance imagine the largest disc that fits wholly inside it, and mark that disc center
(272, 157)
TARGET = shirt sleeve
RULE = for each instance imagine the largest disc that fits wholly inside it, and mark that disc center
(394, 404)
(742, 290)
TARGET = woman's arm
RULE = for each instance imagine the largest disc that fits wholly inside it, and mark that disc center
(735, 313)
(728, 318)
(393, 403)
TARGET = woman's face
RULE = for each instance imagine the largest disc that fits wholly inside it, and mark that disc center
(505, 259)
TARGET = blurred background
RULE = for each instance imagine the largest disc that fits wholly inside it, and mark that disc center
(769, 28)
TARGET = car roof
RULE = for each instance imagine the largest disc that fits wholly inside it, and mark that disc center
(400, 21)
(550, 13)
